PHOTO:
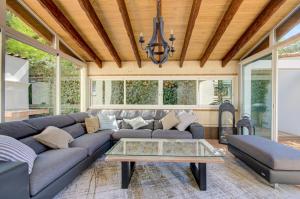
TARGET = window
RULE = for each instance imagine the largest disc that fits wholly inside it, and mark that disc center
(179, 92)
(289, 28)
(107, 92)
(14, 22)
(214, 92)
(29, 81)
(70, 87)
(141, 92)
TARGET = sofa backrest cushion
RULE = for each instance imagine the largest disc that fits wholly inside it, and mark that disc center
(79, 117)
(125, 125)
(58, 121)
(17, 129)
(75, 130)
(34, 144)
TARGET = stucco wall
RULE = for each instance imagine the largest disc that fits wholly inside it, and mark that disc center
(208, 117)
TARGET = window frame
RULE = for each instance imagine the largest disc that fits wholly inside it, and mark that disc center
(160, 79)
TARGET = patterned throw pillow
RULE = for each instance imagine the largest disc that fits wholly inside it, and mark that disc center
(186, 120)
(54, 138)
(169, 121)
(137, 122)
(108, 122)
(14, 150)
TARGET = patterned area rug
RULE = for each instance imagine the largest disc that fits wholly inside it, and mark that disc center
(174, 180)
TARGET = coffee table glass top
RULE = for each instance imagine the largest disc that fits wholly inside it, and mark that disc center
(164, 147)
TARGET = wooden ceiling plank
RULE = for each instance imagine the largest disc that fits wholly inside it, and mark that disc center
(228, 16)
(192, 19)
(255, 26)
(61, 19)
(129, 30)
(91, 14)
(30, 20)
(289, 24)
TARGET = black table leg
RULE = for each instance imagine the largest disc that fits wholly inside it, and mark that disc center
(127, 171)
(199, 174)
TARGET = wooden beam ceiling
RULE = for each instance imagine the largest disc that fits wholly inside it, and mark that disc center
(60, 18)
(192, 19)
(128, 27)
(289, 24)
(91, 14)
(228, 16)
(30, 20)
(255, 26)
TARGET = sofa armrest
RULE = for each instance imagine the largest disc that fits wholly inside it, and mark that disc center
(14, 180)
(197, 130)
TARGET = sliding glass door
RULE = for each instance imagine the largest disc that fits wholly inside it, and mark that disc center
(257, 94)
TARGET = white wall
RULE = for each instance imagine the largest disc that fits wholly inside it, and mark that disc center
(16, 83)
(289, 101)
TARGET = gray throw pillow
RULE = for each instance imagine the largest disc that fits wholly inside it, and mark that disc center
(14, 150)
(136, 123)
(186, 120)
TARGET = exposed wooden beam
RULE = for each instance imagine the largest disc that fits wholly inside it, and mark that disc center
(263, 45)
(192, 19)
(30, 20)
(228, 16)
(61, 19)
(289, 24)
(255, 26)
(128, 27)
(91, 14)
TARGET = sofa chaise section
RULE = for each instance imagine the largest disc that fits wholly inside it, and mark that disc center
(277, 163)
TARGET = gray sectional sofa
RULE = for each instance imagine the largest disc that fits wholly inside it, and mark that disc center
(277, 163)
(54, 169)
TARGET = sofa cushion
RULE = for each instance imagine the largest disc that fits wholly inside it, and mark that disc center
(34, 144)
(92, 141)
(18, 129)
(130, 133)
(79, 117)
(171, 134)
(170, 120)
(54, 138)
(157, 125)
(75, 130)
(274, 155)
(125, 125)
(59, 121)
(51, 164)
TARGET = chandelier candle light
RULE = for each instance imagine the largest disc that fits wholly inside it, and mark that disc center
(157, 41)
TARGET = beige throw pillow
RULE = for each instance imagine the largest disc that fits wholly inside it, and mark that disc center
(186, 120)
(92, 124)
(169, 121)
(54, 137)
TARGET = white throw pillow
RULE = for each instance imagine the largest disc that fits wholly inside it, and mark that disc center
(169, 121)
(107, 122)
(137, 122)
(14, 150)
(185, 120)
(54, 138)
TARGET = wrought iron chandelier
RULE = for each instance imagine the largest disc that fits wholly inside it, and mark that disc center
(157, 42)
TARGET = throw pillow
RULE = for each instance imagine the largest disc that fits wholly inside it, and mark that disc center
(14, 150)
(137, 122)
(185, 120)
(169, 121)
(107, 122)
(92, 124)
(54, 138)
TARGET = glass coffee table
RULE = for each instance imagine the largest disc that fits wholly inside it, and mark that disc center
(197, 152)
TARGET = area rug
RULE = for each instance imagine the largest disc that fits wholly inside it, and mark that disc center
(233, 179)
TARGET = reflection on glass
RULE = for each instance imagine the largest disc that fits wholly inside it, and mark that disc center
(142, 92)
(107, 92)
(179, 92)
(70, 87)
(215, 92)
(29, 82)
(257, 94)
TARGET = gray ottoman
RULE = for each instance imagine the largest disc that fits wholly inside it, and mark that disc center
(277, 163)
